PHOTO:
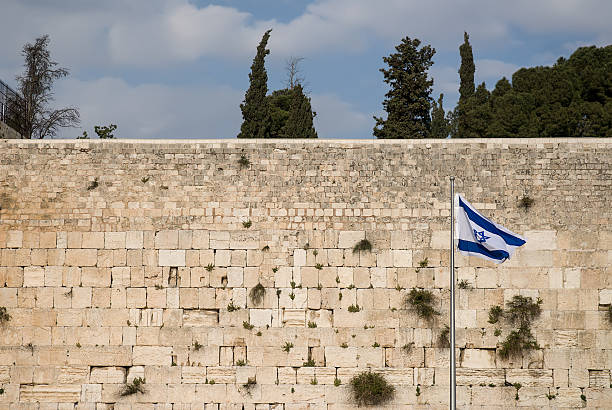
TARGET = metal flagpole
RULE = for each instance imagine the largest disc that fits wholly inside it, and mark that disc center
(453, 392)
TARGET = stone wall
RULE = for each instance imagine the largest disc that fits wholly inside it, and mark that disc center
(125, 259)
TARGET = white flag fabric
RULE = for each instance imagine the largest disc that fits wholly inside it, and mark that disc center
(479, 236)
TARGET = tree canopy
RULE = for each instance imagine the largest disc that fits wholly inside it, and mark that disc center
(408, 102)
(255, 110)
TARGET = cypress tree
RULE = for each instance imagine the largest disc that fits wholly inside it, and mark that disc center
(299, 124)
(466, 86)
(255, 110)
(467, 69)
(439, 123)
(408, 102)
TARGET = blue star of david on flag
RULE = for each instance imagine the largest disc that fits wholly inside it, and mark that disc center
(479, 236)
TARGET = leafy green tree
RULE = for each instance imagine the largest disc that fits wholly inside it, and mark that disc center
(466, 88)
(291, 114)
(255, 110)
(573, 98)
(279, 103)
(105, 132)
(408, 102)
(439, 123)
(36, 88)
(478, 112)
(300, 120)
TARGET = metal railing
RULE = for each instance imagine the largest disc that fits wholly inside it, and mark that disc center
(12, 108)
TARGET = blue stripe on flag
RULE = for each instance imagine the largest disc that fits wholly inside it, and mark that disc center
(478, 248)
(489, 226)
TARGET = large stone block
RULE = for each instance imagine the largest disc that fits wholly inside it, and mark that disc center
(171, 257)
(81, 257)
(152, 355)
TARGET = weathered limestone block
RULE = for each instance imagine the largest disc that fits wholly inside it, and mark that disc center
(81, 257)
(294, 317)
(107, 374)
(14, 239)
(45, 393)
(191, 374)
(260, 317)
(336, 356)
(530, 377)
(244, 240)
(33, 276)
(402, 258)
(91, 393)
(599, 378)
(72, 374)
(114, 240)
(287, 375)
(348, 239)
(5, 375)
(96, 277)
(152, 355)
(478, 358)
(321, 317)
(221, 374)
(171, 257)
(466, 376)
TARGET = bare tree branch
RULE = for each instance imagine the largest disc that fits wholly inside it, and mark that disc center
(294, 73)
(36, 85)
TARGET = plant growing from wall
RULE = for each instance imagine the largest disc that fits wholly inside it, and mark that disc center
(610, 313)
(244, 161)
(196, 346)
(4, 316)
(247, 224)
(362, 245)
(443, 337)
(247, 325)
(231, 307)
(422, 301)
(136, 386)
(287, 346)
(93, 184)
(464, 284)
(495, 313)
(257, 294)
(525, 203)
(354, 308)
(309, 363)
(520, 312)
(422, 264)
(251, 382)
(371, 389)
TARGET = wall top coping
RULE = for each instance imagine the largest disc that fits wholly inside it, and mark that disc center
(278, 141)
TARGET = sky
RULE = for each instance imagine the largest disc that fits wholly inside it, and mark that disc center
(179, 68)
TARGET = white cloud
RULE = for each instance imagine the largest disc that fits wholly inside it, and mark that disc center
(492, 71)
(158, 111)
(144, 32)
(153, 110)
(339, 119)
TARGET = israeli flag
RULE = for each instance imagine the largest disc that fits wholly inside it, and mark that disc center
(481, 237)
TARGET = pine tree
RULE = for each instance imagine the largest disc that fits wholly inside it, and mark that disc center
(439, 123)
(255, 111)
(299, 124)
(408, 102)
(466, 86)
